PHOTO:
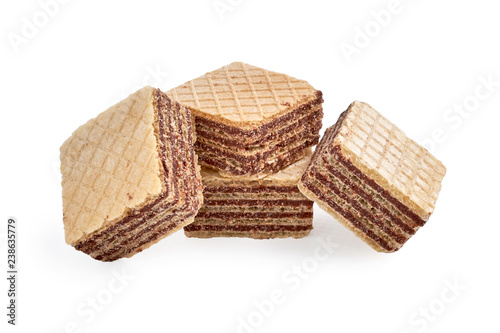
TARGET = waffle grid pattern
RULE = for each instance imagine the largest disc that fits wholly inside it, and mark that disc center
(384, 148)
(242, 93)
(108, 164)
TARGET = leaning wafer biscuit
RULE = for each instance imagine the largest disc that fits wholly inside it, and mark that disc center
(373, 179)
(130, 176)
(251, 122)
(270, 207)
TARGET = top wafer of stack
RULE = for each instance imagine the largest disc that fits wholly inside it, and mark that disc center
(251, 122)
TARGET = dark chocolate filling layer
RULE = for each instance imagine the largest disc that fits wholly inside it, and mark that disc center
(156, 232)
(253, 215)
(357, 206)
(259, 203)
(347, 215)
(359, 191)
(313, 118)
(403, 208)
(202, 148)
(280, 163)
(264, 228)
(253, 189)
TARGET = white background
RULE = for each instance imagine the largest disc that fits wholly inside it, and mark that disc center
(431, 56)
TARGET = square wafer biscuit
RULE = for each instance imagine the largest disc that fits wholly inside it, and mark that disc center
(371, 177)
(266, 208)
(130, 176)
(251, 122)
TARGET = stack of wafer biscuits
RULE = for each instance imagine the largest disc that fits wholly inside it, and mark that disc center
(373, 179)
(265, 208)
(251, 122)
(130, 176)
(254, 131)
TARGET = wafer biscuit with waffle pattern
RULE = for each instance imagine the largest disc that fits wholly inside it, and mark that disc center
(130, 176)
(372, 178)
(240, 107)
(266, 208)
